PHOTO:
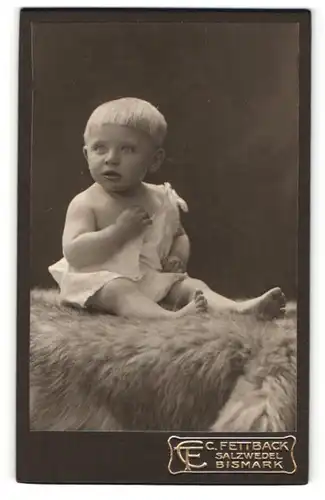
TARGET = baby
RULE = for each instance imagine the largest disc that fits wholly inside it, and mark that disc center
(125, 249)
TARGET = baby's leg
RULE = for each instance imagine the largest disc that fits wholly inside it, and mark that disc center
(122, 297)
(269, 305)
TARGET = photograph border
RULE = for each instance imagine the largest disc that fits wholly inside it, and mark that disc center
(142, 457)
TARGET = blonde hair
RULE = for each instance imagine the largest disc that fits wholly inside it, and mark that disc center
(130, 112)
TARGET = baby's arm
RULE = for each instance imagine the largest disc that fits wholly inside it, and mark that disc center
(179, 254)
(84, 246)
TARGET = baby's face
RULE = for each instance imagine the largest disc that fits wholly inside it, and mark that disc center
(118, 157)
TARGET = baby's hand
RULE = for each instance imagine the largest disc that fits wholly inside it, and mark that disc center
(133, 221)
(173, 264)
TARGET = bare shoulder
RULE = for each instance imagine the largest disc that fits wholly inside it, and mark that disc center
(86, 200)
(86, 197)
(79, 201)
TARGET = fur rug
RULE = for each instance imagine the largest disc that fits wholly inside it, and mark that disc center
(90, 371)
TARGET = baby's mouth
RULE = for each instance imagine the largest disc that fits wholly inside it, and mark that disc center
(112, 175)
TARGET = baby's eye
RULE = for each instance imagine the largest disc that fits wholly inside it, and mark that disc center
(128, 148)
(99, 148)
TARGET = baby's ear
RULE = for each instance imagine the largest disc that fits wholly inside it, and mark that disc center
(157, 161)
(85, 152)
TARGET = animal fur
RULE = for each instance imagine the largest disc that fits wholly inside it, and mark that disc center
(99, 372)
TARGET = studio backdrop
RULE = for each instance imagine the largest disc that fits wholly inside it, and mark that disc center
(230, 95)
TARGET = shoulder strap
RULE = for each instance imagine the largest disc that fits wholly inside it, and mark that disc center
(174, 198)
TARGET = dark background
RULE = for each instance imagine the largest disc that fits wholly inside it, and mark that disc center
(230, 95)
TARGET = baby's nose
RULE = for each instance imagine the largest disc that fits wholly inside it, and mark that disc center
(112, 157)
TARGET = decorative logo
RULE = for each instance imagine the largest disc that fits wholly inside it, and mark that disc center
(185, 450)
(245, 455)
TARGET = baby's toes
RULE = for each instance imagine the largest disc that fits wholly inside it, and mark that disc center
(201, 303)
(282, 300)
(277, 310)
(280, 304)
(276, 302)
(277, 295)
(197, 294)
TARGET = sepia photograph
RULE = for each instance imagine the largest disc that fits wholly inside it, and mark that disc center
(164, 221)
(128, 218)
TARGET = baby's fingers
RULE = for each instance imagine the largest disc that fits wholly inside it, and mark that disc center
(174, 266)
(147, 221)
(179, 267)
(167, 266)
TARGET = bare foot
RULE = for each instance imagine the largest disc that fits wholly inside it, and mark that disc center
(198, 305)
(270, 305)
(200, 301)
